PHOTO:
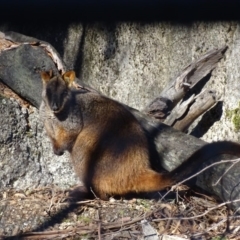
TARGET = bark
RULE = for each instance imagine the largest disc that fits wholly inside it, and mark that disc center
(188, 111)
(177, 88)
(20, 71)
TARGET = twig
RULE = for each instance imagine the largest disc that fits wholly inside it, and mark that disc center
(94, 194)
(176, 227)
(80, 202)
(196, 174)
(227, 170)
(211, 228)
(117, 225)
(200, 215)
(54, 234)
(79, 230)
(51, 202)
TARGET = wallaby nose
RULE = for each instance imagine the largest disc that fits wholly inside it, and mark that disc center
(55, 107)
(58, 152)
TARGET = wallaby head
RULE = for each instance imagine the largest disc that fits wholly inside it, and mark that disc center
(57, 89)
(62, 124)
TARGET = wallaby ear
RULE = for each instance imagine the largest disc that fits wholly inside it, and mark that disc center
(46, 76)
(69, 77)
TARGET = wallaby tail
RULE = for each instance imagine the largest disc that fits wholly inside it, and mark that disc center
(194, 162)
(151, 181)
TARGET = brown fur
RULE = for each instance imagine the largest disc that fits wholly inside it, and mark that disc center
(108, 146)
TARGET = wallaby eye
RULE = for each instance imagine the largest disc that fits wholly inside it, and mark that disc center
(64, 94)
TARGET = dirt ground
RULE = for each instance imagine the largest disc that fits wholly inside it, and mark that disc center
(47, 214)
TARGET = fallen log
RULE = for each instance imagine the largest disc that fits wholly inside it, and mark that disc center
(176, 89)
(188, 111)
(20, 67)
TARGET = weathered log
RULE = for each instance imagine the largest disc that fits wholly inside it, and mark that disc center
(170, 147)
(176, 89)
(187, 111)
(20, 67)
(174, 148)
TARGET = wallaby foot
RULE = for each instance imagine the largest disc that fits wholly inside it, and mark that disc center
(79, 193)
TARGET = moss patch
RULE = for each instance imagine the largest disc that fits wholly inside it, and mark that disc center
(234, 116)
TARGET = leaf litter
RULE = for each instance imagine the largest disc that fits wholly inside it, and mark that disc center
(46, 213)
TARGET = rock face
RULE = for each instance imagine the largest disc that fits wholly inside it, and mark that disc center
(27, 160)
(133, 62)
(21, 62)
(130, 62)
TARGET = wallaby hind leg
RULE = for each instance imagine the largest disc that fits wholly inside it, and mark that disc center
(143, 182)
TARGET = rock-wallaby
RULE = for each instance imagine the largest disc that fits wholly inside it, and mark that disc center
(108, 147)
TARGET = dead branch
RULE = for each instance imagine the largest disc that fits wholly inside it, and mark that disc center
(176, 89)
(14, 40)
(188, 111)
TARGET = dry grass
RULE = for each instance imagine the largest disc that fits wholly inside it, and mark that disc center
(46, 214)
